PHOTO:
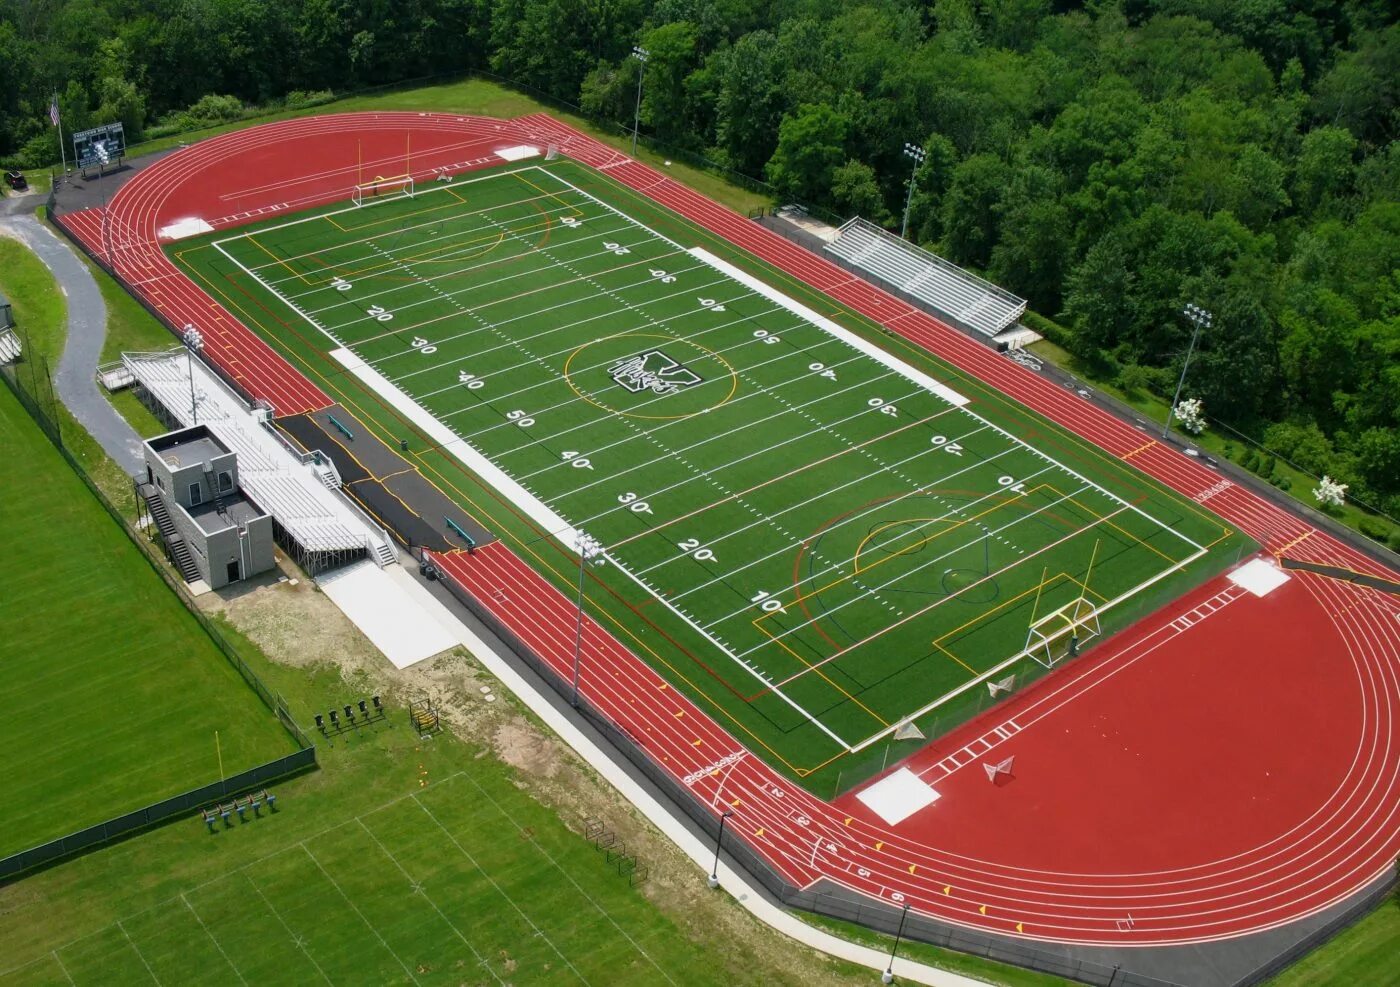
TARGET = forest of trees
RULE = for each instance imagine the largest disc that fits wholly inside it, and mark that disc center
(1109, 160)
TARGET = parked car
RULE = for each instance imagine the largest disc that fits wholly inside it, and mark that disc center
(16, 181)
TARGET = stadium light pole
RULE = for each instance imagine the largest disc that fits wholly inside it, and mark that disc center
(587, 548)
(641, 55)
(194, 340)
(918, 154)
(1200, 319)
(888, 976)
(714, 871)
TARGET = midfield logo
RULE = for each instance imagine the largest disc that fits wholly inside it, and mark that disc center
(653, 371)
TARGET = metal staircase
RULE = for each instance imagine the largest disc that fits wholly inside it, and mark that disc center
(218, 497)
(9, 346)
(179, 551)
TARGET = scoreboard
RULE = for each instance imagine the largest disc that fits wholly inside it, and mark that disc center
(99, 146)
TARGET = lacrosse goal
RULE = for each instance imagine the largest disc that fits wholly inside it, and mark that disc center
(1063, 632)
(399, 186)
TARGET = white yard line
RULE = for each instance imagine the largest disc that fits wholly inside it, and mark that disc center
(518, 490)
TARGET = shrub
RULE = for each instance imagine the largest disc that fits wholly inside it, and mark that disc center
(1394, 540)
(1135, 378)
(1282, 482)
(299, 100)
(1374, 528)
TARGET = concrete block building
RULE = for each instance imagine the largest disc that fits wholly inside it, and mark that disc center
(211, 529)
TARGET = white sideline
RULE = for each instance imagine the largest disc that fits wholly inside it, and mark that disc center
(826, 325)
(457, 446)
(700, 853)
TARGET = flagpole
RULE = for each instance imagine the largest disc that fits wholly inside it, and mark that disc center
(58, 122)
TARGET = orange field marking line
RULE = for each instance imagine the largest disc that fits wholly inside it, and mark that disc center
(953, 526)
(919, 613)
(776, 479)
(825, 678)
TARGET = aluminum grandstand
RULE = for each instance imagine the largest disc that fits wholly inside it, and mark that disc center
(315, 523)
(926, 277)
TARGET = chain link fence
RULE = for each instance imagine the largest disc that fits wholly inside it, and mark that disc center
(30, 382)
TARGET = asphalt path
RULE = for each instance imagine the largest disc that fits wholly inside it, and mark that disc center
(75, 379)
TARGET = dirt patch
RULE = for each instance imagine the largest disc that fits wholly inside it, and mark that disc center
(293, 622)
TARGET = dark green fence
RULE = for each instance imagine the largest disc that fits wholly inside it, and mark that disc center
(178, 805)
(30, 382)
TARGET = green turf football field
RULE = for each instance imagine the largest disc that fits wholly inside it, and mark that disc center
(834, 537)
(113, 691)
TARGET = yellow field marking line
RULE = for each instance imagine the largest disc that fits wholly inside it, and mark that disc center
(549, 195)
(953, 526)
(387, 220)
(1104, 520)
(490, 241)
(1045, 580)
(1278, 553)
(783, 644)
(790, 473)
(923, 357)
(301, 277)
(964, 664)
(435, 478)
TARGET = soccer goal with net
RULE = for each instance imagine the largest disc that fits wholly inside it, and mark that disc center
(400, 186)
(1063, 632)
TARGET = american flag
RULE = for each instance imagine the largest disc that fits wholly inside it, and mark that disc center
(53, 111)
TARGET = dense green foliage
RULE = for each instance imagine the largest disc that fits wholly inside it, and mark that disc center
(1109, 160)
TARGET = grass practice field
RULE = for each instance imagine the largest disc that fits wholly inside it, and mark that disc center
(841, 539)
(442, 885)
(115, 692)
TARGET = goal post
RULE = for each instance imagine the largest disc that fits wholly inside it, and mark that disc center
(1063, 632)
(397, 186)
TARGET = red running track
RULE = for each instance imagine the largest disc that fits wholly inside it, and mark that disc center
(1227, 765)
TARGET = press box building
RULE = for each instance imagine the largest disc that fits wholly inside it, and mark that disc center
(211, 529)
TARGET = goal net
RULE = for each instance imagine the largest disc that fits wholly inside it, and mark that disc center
(1063, 632)
(400, 186)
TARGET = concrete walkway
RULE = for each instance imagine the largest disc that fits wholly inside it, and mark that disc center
(75, 379)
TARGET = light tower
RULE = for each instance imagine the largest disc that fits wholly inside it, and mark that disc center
(1200, 319)
(918, 154)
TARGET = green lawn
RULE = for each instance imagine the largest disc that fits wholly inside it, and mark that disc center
(1363, 954)
(39, 310)
(119, 693)
(871, 552)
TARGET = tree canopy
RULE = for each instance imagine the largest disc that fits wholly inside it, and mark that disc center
(1108, 159)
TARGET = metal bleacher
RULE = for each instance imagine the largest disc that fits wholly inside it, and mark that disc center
(326, 527)
(926, 277)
